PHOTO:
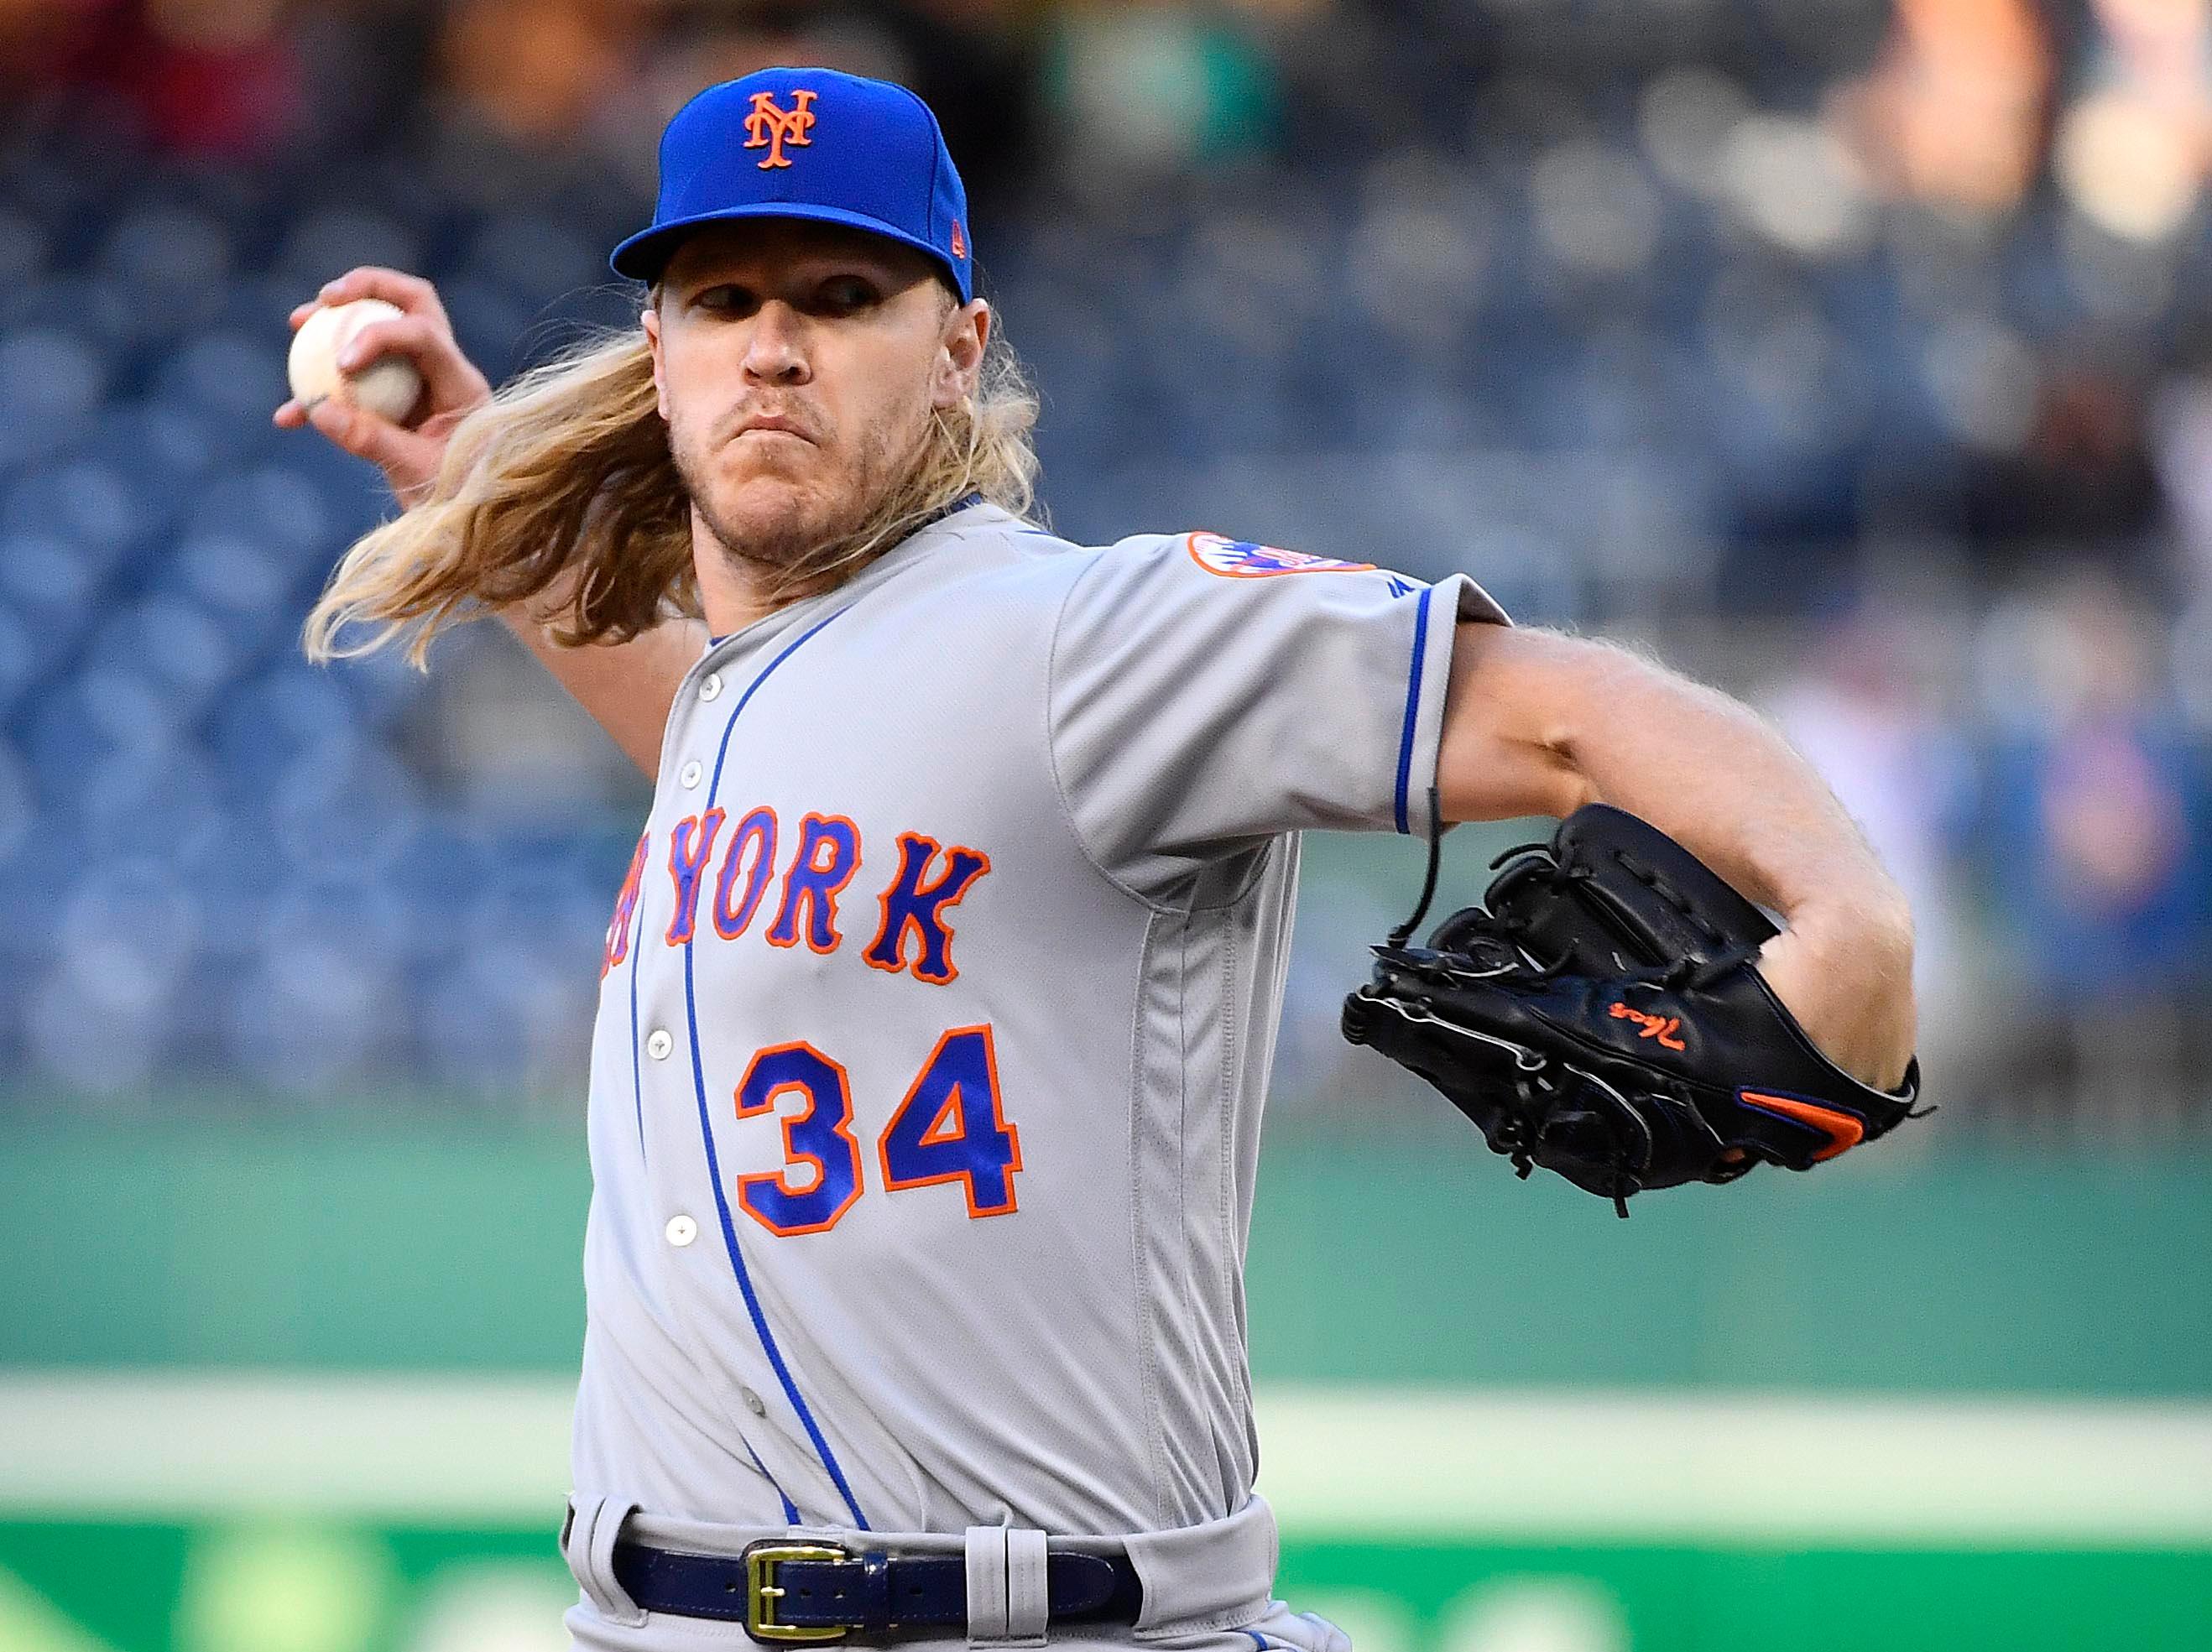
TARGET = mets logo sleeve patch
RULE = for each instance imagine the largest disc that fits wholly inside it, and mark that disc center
(1245, 559)
(1202, 701)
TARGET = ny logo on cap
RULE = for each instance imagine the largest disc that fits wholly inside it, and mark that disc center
(770, 128)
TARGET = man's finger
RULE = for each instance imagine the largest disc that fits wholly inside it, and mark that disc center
(289, 415)
(410, 292)
(426, 342)
(403, 455)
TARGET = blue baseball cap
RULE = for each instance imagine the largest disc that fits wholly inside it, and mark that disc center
(807, 144)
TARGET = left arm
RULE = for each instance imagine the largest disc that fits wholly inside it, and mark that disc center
(1536, 723)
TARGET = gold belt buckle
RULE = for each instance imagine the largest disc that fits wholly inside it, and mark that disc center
(762, 1592)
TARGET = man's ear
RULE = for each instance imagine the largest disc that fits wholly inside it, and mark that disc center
(960, 362)
(650, 320)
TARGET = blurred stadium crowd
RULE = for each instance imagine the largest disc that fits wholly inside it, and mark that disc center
(1856, 355)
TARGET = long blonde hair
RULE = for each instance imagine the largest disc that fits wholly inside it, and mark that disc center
(568, 471)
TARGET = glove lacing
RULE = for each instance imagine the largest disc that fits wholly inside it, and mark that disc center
(1403, 931)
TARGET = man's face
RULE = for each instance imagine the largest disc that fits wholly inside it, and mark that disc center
(797, 365)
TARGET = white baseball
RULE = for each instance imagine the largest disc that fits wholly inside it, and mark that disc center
(388, 386)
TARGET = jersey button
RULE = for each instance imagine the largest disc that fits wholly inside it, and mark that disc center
(754, 1403)
(682, 1230)
(711, 688)
(690, 776)
(658, 1043)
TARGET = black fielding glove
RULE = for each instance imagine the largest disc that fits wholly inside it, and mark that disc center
(1600, 1015)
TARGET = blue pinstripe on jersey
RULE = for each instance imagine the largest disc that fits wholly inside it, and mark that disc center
(790, 1508)
(707, 1135)
(1412, 703)
(636, 1079)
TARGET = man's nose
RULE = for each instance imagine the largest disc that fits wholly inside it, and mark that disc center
(775, 353)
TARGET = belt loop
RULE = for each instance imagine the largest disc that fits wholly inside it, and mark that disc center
(1028, 1605)
(1007, 1601)
(987, 1584)
(587, 1543)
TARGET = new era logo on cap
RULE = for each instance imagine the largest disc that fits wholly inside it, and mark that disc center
(811, 144)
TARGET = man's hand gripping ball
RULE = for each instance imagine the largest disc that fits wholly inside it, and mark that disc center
(1601, 1015)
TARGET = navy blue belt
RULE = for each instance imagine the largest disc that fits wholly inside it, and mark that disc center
(796, 1592)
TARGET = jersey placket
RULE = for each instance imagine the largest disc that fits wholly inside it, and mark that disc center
(825, 1459)
(671, 1195)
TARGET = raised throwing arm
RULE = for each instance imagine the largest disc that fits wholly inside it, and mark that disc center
(627, 687)
(1539, 724)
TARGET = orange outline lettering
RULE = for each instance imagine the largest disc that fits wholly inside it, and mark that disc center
(684, 871)
(911, 922)
(842, 1128)
(760, 826)
(956, 1096)
(802, 860)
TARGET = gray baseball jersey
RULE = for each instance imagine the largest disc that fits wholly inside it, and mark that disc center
(937, 1012)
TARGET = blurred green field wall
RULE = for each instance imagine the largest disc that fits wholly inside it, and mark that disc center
(408, 1244)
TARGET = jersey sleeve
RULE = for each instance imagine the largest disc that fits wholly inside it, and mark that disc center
(1207, 694)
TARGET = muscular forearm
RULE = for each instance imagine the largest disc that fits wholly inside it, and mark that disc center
(1609, 726)
(1540, 723)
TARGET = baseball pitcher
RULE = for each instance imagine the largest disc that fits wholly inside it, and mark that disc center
(937, 1006)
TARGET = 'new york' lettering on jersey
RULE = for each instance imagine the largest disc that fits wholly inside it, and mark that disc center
(915, 930)
(937, 1008)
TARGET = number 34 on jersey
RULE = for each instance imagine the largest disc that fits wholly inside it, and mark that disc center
(950, 1128)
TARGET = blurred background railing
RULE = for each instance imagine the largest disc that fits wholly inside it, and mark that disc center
(1855, 355)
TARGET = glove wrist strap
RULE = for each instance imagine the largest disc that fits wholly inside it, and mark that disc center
(1404, 931)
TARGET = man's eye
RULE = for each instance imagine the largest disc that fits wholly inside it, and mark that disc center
(846, 292)
(724, 299)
